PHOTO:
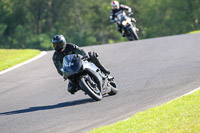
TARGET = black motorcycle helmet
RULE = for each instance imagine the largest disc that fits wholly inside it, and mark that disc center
(59, 42)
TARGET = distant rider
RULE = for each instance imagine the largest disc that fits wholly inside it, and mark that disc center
(62, 48)
(118, 9)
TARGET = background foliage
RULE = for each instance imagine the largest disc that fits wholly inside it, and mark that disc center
(32, 23)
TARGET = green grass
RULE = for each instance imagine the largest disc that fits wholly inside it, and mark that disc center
(192, 32)
(179, 116)
(11, 57)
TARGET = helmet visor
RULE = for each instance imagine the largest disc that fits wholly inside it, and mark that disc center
(114, 7)
(58, 46)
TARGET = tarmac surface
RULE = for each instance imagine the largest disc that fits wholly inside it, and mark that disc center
(149, 72)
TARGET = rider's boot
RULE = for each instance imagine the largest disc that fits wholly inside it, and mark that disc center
(71, 88)
(120, 31)
(123, 34)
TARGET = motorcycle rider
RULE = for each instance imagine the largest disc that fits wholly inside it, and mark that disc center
(62, 48)
(118, 9)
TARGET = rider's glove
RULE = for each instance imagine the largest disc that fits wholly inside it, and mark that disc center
(130, 13)
(64, 77)
(114, 20)
(86, 57)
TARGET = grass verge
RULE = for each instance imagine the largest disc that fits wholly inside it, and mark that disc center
(11, 57)
(192, 32)
(179, 116)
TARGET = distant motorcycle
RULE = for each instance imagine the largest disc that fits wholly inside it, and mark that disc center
(128, 26)
(87, 77)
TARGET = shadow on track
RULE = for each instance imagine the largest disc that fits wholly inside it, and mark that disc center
(59, 105)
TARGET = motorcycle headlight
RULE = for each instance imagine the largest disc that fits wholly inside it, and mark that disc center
(124, 22)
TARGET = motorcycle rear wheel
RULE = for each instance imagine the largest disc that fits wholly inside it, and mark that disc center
(93, 92)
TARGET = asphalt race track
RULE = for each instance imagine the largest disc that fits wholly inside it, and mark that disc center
(34, 98)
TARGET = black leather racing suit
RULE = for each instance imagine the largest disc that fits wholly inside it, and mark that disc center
(74, 49)
(115, 12)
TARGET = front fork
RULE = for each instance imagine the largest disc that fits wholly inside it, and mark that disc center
(88, 78)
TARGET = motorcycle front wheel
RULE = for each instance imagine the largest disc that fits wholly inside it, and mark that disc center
(134, 33)
(89, 88)
(114, 89)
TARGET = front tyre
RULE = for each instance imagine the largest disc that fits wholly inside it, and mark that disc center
(114, 89)
(136, 35)
(90, 89)
(133, 34)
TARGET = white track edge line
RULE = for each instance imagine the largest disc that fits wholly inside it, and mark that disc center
(26, 62)
(185, 94)
(169, 101)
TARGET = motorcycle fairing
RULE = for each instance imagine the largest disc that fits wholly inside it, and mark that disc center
(71, 64)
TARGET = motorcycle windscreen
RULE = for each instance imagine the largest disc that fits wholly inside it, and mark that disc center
(71, 64)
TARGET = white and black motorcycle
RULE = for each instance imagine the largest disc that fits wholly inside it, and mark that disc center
(88, 77)
(128, 26)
